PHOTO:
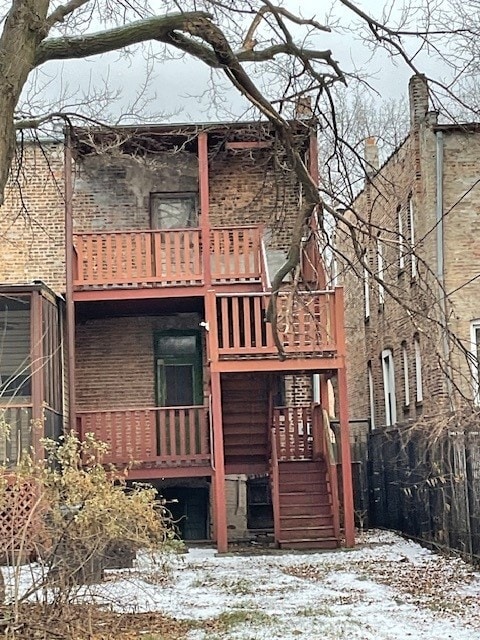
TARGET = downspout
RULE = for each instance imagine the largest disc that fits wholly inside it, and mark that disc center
(439, 148)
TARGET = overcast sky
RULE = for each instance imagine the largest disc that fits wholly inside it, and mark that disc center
(177, 87)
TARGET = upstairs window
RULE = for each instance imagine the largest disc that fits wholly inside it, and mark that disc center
(401, 239)
(366, 292)
(381, 271)
(418, 370)
(389, 387)
(406, 376)
(371, 395)
(173, 210)
(411, 224)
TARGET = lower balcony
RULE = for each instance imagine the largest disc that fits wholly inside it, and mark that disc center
(155, 438)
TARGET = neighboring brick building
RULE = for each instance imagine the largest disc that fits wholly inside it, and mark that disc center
(136, 270)
(408, 345)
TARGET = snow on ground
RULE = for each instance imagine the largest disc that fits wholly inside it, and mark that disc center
(386, 589)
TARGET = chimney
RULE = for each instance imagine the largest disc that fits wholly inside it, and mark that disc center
(418, 97)
(303, 108)
(371, 156)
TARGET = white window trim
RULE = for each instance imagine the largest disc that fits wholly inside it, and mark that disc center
(401, 241)
(381, 271)
(366, 291)
(474, 362)
(389, 387)
(411, 215)
(406, 377)
(418, 370)
(371, 395)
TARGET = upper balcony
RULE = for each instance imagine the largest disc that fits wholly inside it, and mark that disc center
(108, 263)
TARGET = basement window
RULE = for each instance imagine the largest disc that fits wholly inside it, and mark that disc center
(173, 210)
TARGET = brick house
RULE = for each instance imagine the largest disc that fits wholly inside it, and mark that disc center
(135, 275)
(413, 322)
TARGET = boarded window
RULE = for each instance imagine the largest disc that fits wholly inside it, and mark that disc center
(173, 210)
(15, 366)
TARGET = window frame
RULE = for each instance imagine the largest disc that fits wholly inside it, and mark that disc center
(191, 196)
(371, 394)
(406, 375)
(411, 219)
(401, 239)
(389, 392)
(474, 360)
(381, 270)
(418, 370)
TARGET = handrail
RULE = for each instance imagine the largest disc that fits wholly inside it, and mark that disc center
(116, 410)
(331, 463)
(275, 485)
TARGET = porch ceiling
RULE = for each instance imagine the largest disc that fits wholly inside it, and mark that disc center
(139, 307)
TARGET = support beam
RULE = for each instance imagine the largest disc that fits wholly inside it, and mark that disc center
(346, 459)
(69, 268)
(218, 479)
(36, 373)
(204, 205)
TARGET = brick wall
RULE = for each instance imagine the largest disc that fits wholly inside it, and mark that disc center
(410, 174)
(412, 309)
(113, 192)
(107, 346)
(32, 218)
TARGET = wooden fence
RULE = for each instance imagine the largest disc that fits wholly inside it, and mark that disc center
(427, 487)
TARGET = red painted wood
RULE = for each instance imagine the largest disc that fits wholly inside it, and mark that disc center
(165, 436)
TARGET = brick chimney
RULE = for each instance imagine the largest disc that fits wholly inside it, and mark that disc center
(371, 156)
(418, 97)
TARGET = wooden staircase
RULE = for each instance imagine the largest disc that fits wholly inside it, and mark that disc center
(304, 480)
(306, 519)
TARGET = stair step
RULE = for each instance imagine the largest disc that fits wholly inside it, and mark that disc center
(312, 533)
(301, 466)
(294, 509)
(288, 521)
(315, 498)
(305, 544)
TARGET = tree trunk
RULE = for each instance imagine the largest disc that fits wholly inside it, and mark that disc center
(25, 27)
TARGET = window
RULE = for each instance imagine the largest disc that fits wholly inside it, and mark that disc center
(406, 377)
(173, 210)
(15, 373)
(475, 358)
(411, 219)
(401, 240)
(418, 370)
(389, 388)
(179, 369)
(381, 271)
(371, 396)
(366, 291)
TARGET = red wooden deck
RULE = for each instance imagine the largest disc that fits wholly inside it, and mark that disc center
(166, 258)
(306, 325)
(157, 437)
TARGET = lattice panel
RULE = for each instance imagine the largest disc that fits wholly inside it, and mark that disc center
(20, 520)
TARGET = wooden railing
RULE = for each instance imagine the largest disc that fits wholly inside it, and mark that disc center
(235, 254)
(167, 436)
(138, 258)
(305, 322)
(170, 257)
(292, 429)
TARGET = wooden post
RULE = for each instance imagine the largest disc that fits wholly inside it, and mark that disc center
(69, 267)
(36, 372)
(346, 460)
(219, 496)
(313, 171)
(204, 206)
